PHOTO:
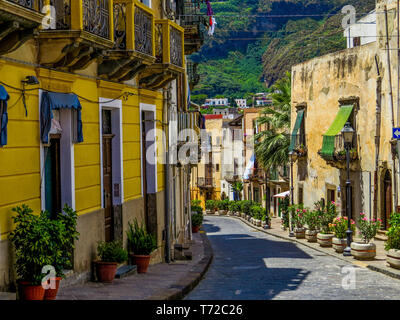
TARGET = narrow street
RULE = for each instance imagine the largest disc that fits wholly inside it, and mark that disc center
(251, 265)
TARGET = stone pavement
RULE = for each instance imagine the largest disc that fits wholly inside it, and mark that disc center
(162, 281)
(378, 264)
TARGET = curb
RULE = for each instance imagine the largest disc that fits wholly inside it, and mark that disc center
(191, 279)
(356, 262)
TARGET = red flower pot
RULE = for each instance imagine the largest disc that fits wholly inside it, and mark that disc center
(195, 229)
(106, 271)
(51, 294)
(142, 262)
(27, 291)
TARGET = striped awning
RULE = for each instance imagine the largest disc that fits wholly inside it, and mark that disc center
(297, 124)
(328, 143)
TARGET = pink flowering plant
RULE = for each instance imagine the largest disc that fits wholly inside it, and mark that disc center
(312, 219)
(327, 214)
(298, 215)
(368, 228)
(339, 226)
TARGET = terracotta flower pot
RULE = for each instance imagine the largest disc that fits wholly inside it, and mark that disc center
(195, 229)
(51, 294)
(27, 291)
(311, 235)
(325, 240)
(142, 262)
(339, 244)
(393, 258)
(106, 271)
(300, 233)
(363, 251)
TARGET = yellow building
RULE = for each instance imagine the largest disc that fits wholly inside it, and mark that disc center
(87, 82)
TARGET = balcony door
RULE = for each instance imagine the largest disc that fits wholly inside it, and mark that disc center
(387, 200)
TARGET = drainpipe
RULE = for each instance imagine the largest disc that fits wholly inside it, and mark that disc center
(377, 136)
(167, 102)
(391, 106)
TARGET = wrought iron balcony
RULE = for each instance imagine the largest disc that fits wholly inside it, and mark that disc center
(193, 76)
(194, 23)
(169, 42)
(19, 21)
(78, 32)
(205, 182)
(134, 35)
(337, 158)
(300, 146)
(231, 176)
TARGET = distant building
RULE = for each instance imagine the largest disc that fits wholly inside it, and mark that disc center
(261, 100)
(227, 113)
(362, 32)
(241, 103)
(222, 102)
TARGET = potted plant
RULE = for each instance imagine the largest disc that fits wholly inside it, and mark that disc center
(339, 227)
(141, 244)
(197, 220)
(256, 212)
(298, 216)
(245, 207)
(111, 254)
(393, 242)
(31, 241)
(312, 221)
(327, 214)
(365, 250)
(195, 207)
(223, 206)
(63, 235)
(210, 207)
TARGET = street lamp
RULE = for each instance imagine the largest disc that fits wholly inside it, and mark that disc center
(348, 134)
(293, 158)
(267, 204)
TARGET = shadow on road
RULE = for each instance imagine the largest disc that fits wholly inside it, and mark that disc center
(250, 267)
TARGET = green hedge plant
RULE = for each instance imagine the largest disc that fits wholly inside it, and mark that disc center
(112, 252)
(197, 219)
(140, 242)
(393, 234)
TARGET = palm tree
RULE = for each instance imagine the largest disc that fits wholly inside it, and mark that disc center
(237, 188)
(272, 146)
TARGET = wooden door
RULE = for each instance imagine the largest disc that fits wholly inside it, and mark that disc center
(387, 185)
(107, 187)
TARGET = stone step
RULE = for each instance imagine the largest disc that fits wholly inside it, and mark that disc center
(125, 271)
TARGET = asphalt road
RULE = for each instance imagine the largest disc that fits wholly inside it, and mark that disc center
(251, 265)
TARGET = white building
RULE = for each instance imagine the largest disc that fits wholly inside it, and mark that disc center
(241, 103)
(217, 102)
(362, 32)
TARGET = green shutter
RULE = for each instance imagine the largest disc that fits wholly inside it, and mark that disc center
(328, 143)
(297, 124)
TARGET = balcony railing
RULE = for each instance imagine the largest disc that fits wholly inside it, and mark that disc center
(193, 76)
(30, 4)
(205, 182)
(92, 16)
(169, 43)
(300, 144)
(339, 153)
(138, 38)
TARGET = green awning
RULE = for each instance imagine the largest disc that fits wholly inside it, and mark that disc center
(328, 142)
(297, 124)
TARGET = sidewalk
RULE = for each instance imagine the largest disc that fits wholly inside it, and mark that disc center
(379, 264)
(162, 281)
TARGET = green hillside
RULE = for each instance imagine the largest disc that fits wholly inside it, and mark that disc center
(250, 51)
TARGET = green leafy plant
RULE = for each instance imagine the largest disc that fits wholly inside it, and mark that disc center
(210, 205)
(257, 212)
(140, 242)
(197, 219)
(327, 214)
(311, 219)
(223, 204)
(32, 243)
(112, 252)
(393, 234)
(195, 206)
(234, 206)
(245, 206)
(298, 215)
(339, 226)
(368, 228)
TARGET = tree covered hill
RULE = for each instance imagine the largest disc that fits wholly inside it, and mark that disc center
(257, 41)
